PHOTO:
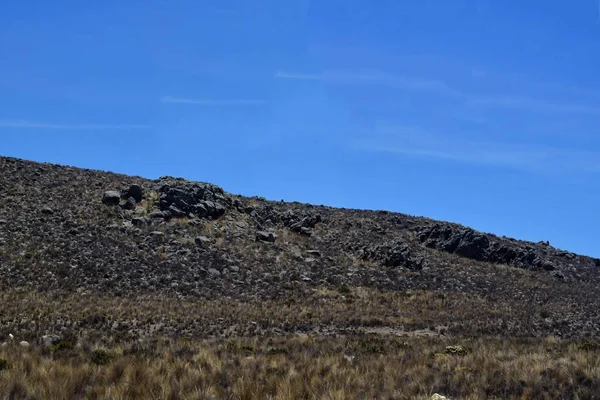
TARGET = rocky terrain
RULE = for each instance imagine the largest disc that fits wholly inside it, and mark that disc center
(76, 234)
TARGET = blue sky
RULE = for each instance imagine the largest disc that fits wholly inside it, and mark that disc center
(482, 112)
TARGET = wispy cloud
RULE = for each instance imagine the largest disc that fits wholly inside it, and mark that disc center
(376, 78)
(43, 125)
(532, 104)
(410, 142)
(441, 88)
(212, 102)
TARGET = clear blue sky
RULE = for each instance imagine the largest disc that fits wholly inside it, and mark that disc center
(482, 112)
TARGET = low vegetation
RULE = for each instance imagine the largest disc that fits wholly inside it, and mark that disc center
(302, 367)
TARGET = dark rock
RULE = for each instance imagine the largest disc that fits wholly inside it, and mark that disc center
(160, 214)
(558, 275)
(473, 245)
(200, 199)
(547, 265)
(111, 198)
(136, 192)
(130, 204)
(214, 272)
(266, 236)
(202, 241)
(140, 222)
(47, 210)
(305, 231)
(176, 212)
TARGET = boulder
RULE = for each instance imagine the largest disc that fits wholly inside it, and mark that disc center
(47, 211)
(140, 222)
(50, 340)
(136, 192)
(264, 236)
(111, 198)
(130, 204)
(202, 241)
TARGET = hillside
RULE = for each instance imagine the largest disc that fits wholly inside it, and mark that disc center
(61, 233)
(109, 259)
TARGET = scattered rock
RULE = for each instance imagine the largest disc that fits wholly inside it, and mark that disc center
(24, 344)
(111, 198)
(140, 222)
(266, 236)
(202, 241)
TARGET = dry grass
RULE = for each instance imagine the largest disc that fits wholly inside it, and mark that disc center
(329, 310)
(306, 368)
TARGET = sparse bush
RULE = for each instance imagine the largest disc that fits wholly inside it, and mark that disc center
(456, 350)
(100, 357)
(3, 364)
(63, 345)
(590, 345)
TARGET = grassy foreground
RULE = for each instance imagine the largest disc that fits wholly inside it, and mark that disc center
(303, 367)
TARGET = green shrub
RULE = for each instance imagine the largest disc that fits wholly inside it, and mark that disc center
(3, 364)
(100, 357)
(590, 345)
(456, 350)
(63, 345)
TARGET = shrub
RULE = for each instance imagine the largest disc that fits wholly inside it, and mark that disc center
(3, 364)
(590, 345)
(100, 357)
(63, 345)
(456, 350)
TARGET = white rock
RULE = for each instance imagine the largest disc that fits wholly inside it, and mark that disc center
(349, 358)
(4, 344)
(10, 336)
(439, 397)
(24, 344)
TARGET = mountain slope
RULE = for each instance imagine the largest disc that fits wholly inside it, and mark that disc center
(187, 258)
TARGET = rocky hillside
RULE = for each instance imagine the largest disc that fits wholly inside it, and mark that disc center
(67, 231)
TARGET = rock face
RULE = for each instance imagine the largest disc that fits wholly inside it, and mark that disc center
(183, 198)
(474, 245)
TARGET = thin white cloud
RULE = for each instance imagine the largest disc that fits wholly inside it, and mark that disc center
(437, 87)
(43, 125)
(344, 77)
(410, 142)
(298, 76)
(532, 104)
(212, 102)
